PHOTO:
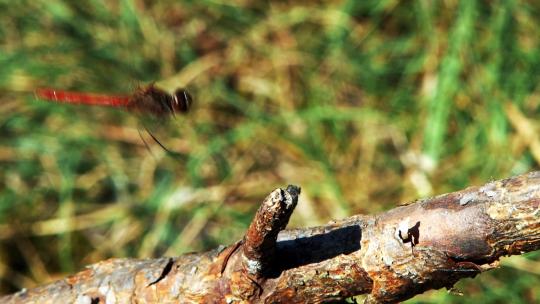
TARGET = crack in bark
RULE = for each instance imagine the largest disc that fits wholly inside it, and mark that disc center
(166, 270)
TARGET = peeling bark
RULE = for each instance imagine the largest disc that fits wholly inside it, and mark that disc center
(428, 244)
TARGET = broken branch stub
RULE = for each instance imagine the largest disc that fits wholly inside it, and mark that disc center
(260, 241)
(392, 256)
(259, 244)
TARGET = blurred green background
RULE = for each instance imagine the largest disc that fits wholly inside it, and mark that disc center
(364, 104)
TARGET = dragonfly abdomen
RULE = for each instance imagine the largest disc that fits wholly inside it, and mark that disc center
(82, 98)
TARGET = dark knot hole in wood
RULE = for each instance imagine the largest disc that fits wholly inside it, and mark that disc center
(413, 236)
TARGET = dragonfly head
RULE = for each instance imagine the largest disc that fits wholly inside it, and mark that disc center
(181, 101)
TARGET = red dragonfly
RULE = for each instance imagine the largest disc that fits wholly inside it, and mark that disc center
(148, 100)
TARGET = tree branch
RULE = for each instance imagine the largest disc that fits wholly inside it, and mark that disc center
(429, 244)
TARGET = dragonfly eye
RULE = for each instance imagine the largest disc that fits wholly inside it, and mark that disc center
(181, 101)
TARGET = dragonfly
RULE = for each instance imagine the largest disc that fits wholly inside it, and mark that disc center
(148, 100)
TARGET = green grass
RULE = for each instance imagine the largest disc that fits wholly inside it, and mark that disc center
(364, 104)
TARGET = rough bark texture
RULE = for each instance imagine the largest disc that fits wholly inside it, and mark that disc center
(428, 244)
